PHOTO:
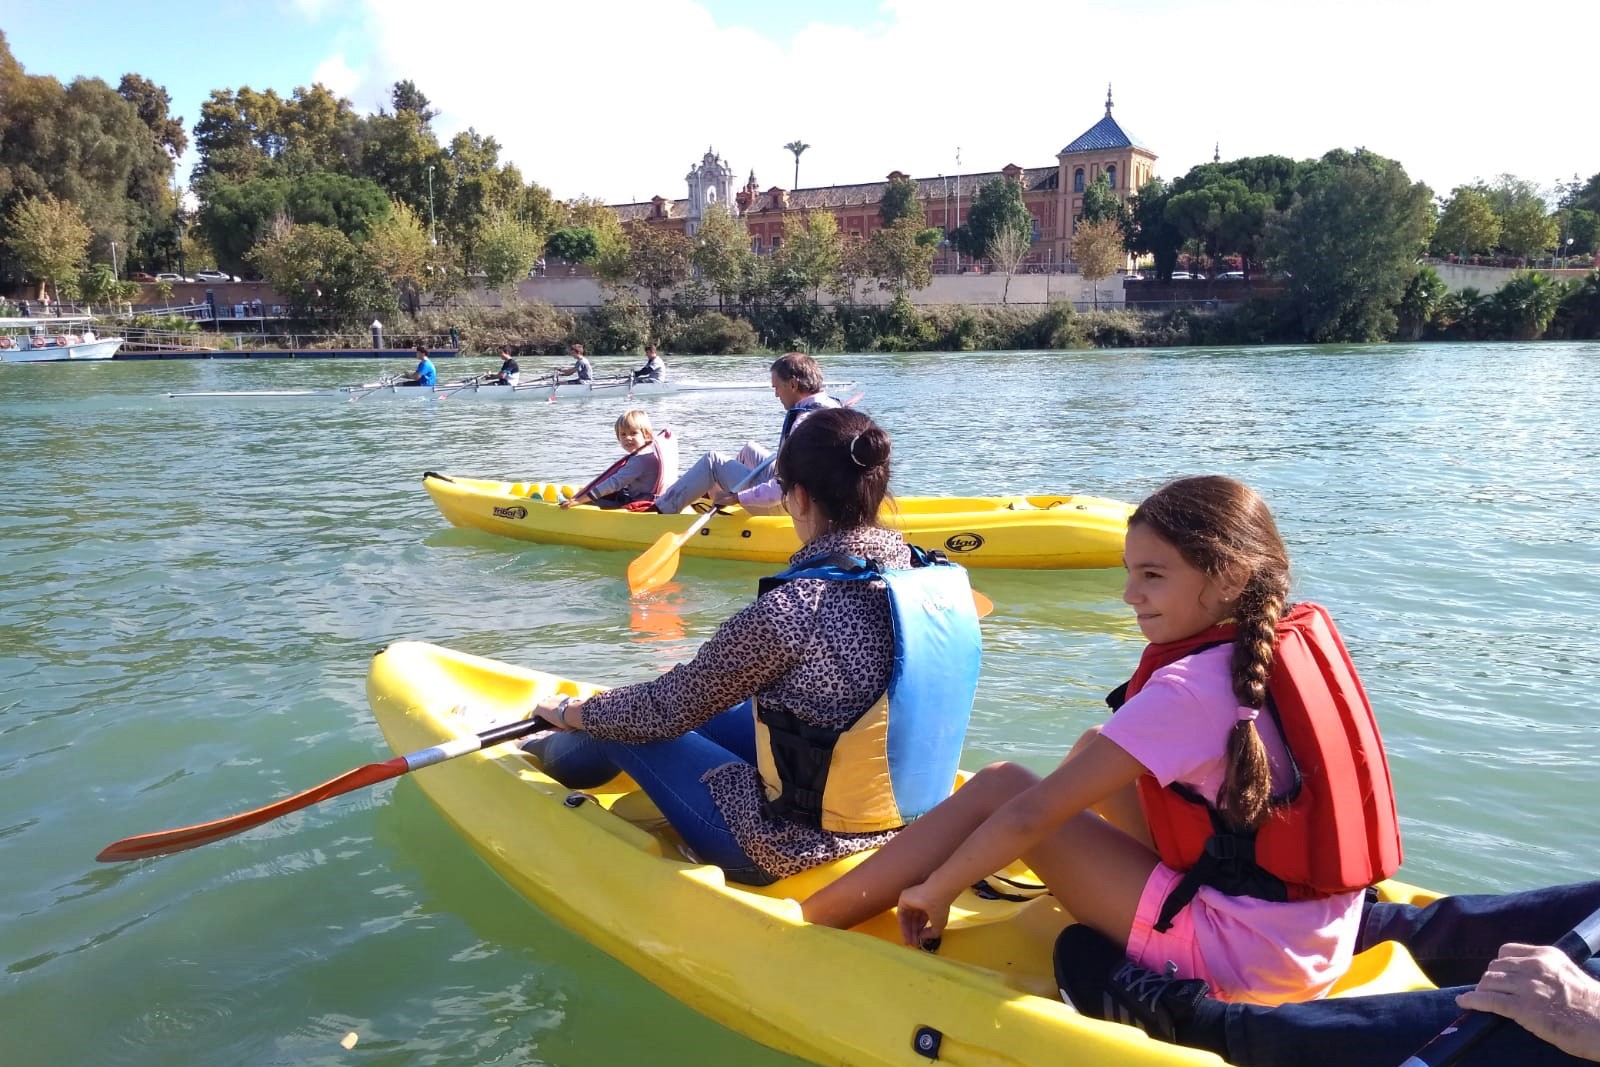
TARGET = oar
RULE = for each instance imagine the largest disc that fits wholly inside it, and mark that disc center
(659, 562)
(383, 383)
(471, 383)
(167, 841)
(1454, 1041)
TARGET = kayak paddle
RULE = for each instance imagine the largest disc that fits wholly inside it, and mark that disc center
(1453, 1042)
(165, 842)
(659, 562)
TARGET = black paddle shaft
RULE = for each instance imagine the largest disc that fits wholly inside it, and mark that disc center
(1455, 1040)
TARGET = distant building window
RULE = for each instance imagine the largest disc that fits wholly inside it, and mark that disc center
(1111, 175)
(755, 245)
(1077, 180)
(1036, 231)
(855, 233)
(777, 243)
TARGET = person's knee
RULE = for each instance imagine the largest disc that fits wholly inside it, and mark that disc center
(999, 782)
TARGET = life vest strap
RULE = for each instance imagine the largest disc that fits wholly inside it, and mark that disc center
(1228, 865)
(802, 753)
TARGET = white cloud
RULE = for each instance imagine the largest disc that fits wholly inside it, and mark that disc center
(335, 73)
(618, 98)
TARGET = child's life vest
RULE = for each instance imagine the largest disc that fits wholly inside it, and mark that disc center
(1333, 828)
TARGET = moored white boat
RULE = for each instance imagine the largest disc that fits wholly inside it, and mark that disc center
(53, 339)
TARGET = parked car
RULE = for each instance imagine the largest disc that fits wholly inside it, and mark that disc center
(141, 276)
(1231, 276)
(168, 276)
(213, 276)
(1185, 276)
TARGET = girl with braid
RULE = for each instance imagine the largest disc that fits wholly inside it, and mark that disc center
(1221, 826)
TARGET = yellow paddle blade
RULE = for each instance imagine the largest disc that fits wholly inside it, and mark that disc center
(657, 564)
(983, 605)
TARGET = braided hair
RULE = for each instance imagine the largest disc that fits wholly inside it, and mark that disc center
(1224, 529)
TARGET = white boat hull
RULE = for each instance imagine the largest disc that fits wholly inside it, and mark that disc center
(448, 391)
(104, 348)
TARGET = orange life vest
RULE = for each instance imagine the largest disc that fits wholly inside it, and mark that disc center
(1334, 828)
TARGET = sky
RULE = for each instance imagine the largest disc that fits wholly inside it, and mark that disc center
(619, 98)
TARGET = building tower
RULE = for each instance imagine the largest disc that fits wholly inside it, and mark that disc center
(1103, 149)
(710, 182)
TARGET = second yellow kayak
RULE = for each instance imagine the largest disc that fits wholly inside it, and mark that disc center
(1042, 532)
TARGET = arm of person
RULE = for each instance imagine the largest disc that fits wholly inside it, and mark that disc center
(1545, 993)
(1084, 778)
(746, 655)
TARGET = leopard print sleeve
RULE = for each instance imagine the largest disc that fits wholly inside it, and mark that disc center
(747, 654)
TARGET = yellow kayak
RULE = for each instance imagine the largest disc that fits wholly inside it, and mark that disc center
(743, 956)
(1021, 532)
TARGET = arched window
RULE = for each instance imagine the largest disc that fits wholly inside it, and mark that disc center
(1111, 174)
(1077, 180)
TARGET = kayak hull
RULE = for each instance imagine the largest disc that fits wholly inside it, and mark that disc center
(605, 865)
(1020, 532)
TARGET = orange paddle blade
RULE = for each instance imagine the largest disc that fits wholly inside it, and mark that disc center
(164, 842)
(984, 606)
(656, 566)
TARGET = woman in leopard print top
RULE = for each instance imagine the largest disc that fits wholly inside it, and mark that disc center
(820, 649)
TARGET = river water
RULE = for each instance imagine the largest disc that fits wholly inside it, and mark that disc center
(190, 590)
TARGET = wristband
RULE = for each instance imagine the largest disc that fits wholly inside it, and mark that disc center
(561, 712)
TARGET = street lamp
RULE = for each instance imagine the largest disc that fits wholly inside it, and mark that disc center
(114, 274)
(433, 231)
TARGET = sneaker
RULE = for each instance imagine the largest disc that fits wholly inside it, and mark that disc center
(1096, 977)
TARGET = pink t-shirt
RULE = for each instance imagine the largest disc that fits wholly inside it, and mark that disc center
(1250, 949)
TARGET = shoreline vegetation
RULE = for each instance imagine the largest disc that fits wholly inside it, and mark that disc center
(351, 217)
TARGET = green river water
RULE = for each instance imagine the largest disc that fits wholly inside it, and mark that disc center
(190, 590)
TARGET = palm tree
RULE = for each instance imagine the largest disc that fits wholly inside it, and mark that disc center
(797, 147)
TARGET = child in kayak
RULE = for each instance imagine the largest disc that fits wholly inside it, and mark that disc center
(1205, 839)
(769, 751)
(638, 476)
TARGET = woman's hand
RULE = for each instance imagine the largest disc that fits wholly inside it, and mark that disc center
(564, 713)
(1545, 993)
(569, 502)
(923, 912)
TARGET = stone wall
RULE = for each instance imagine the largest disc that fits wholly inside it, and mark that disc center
(1459, 276)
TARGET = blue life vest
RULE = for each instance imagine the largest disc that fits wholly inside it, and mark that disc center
(899, 757)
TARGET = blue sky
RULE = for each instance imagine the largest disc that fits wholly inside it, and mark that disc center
(618, 98)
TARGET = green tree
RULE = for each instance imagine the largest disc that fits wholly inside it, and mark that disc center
(574, 244)
(1007, 250)
(1468, 224)
(1524, 306)
(1583, 195)
(98, 285)
(238, 215)
(1149, 232)
(405, 96)
(1525, 228)
(1420, 303)
(1578, 316)
(239, 135)
(796, 147)
(1223, 216)
(152, 103)
(1098, 250)
(611, 261)
(811, 252)
(900, 202)
(507, 250)
(721, 253)
(50, 240)
(1463, 315)
(658, 259)
(1100, 201)
(1350, 245)
(1583, 227)
(317, 269)
(997, 208)
(901, 256)
(398, 247)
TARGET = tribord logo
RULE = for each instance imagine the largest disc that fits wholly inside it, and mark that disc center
(515, 511)
(963, 542)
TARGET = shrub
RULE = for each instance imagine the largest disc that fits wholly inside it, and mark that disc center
(615, 326)
(714, 334)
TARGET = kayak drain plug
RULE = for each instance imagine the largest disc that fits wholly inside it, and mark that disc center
(925, 1042)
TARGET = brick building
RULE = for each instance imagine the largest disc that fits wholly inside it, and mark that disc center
(1053, 195)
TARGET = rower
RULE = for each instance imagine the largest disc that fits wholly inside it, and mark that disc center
(654, 370)
(582, 371)
(424, 375)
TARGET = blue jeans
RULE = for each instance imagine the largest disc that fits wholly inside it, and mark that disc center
(1453, 940)
(670, 772)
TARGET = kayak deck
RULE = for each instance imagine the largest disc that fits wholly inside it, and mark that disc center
(742, 955)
